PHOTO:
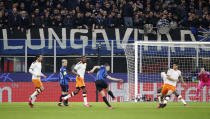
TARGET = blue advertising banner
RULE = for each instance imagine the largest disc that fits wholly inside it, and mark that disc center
(71, 41)
(53, 77)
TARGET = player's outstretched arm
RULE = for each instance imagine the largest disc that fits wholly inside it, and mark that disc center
(94, 68)
(114, 79)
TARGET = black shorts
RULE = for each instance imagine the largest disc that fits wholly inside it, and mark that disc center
(65, 88)
(100, 85)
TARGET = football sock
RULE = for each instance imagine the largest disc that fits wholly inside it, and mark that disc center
(60, 100)
(183, 101)
(111, 94)
(159, 99)
(197, 92)
(105, 100)
(65, 101)
(33, 100)
(180, 98)
(34, 94)
(85, 98)
(69, 95)
(166, 99)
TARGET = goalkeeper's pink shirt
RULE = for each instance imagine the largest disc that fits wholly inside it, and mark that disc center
(204, 77)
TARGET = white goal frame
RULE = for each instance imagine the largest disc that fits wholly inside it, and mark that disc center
(138, 44)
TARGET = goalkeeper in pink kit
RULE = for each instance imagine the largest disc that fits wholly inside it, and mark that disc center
(204, 78)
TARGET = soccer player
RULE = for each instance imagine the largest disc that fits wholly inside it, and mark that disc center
(35, 70)
(204, 81)
(79, 70)
(164, 77)
(64, 82)
(169, 87)
(100, 81)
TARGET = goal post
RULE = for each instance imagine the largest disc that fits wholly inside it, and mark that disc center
(147, 59)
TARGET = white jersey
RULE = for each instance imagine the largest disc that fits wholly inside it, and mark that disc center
(35, 69)
(80, 68)
(164, 77)
(174, 75)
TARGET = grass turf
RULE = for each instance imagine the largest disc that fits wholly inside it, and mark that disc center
(100, 111)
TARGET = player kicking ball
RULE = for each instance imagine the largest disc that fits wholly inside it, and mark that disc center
(101, 84)
(164, 77)
(35, 70)
(204, 81)
(79, 70)
(169, 87)
(64, 83)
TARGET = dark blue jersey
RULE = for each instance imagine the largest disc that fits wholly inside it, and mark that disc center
(63, 77)
(102, 73)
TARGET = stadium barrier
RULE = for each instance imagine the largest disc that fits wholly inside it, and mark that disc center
(16, 87)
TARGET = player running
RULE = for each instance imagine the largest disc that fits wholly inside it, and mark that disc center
(100, 81)
(204, 81)
(79, 70)
(164, 77)
(35, 70)
(64, 82)
(170, 84)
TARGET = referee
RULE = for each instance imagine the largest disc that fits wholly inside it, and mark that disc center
(100, 81)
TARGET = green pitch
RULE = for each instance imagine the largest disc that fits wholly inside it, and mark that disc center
(100, 111)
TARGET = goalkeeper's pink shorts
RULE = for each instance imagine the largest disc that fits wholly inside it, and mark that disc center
(202, 84)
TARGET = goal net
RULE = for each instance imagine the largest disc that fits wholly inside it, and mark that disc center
(146, 60)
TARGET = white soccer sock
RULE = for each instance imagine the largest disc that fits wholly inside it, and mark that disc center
(33, 100)
(67, 97)
(180, 98)
(183, 101)
(85, 98)
(166, 100)
(34, 94)
(159, 99)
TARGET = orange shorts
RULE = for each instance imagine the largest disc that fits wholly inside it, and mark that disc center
(80, 82)
(37, 83)
(167, 87)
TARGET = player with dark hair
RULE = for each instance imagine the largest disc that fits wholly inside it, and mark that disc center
(204, 78)
(64, 82)
(100, 81)
(164, 77)
(35, 70)
(79, 70)
(173, 76)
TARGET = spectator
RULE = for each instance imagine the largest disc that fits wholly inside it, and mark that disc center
(58, 21)
(68, 21)
(119, 21)
(43, 21)
(110, 22)
(128, 14)
(14, 20)
(89, 21)
(78, 22)
(50, 13)
(24, 21)
(99, 22)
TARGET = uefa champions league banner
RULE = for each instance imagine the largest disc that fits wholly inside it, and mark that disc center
(71, 41)
(12, 86)
(20, 91)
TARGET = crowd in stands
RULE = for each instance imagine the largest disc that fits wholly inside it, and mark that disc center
(95, 14)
